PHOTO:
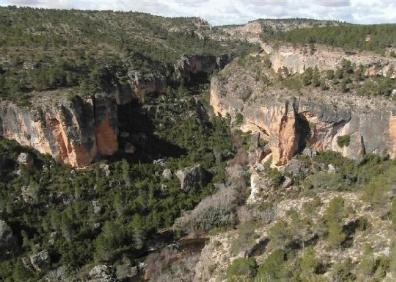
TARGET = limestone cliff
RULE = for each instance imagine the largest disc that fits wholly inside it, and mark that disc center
(76, 130)
(188, 67)
(72, 129)
(297, 60)
(290, 121)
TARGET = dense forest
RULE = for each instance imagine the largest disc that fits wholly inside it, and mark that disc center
(350, 37)
(44, 49)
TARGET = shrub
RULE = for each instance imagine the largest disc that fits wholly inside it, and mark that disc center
(342, 271)
(280, 234)
(242, 268)
(308, 76)
(273, 268)
(308, 264)
(326, 181)
(246, 238)
(238, 119)
(333, 216)
(392, 258)
(311, 206)
(375, 191)
(343, 141)
(367, 265)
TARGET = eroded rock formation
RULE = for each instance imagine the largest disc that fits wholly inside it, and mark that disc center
(313, 119)
(297, 60)
(72, 129)
(75, 130)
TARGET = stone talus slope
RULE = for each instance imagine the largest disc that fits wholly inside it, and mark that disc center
(313, 119)
(72, 130)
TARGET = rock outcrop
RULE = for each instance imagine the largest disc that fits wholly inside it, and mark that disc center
(314, 119)
(189, 67)
(192, 177)
(72, 129)
(40, 261)
(297, 60)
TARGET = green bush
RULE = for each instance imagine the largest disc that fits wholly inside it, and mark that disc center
(333, 217)
(273, 268)
(239, 119)
(280, 234)
(326, 181)
(375, 191)
(309, 265)
(343, 141)
(242, 269)
(342, 271)
(247, 236)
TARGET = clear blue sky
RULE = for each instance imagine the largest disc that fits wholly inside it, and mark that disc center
(237, 11)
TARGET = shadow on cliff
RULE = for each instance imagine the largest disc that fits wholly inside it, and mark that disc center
(137, 129)
(304, 132)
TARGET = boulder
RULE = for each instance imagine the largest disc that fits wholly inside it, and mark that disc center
(287, 182)
(167, 174)
(40, 261)
(331, 168)
(7, 239)
(97, 207)
(101, 273)
(106, 169)
(192, 177)
(25, 159)
(309, 152)
(295, 167)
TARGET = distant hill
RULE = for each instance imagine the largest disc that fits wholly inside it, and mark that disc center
(42, 49)
(362, 37)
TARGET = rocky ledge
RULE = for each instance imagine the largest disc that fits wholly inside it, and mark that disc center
(291, 121)
(298, 59)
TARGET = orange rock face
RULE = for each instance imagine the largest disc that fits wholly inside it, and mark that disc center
(106, 138)
(315, 120)
(288, 140)
(69, 130)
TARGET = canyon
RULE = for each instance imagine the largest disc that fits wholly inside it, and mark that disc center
(77, 129)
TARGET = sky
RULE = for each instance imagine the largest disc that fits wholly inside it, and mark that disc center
(219, 12)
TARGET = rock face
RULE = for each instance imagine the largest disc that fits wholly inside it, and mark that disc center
(315, 119)
(101, 273)
(188, 67)
(297, 60)
(74, 130)
(192, 177)
(40, 261)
